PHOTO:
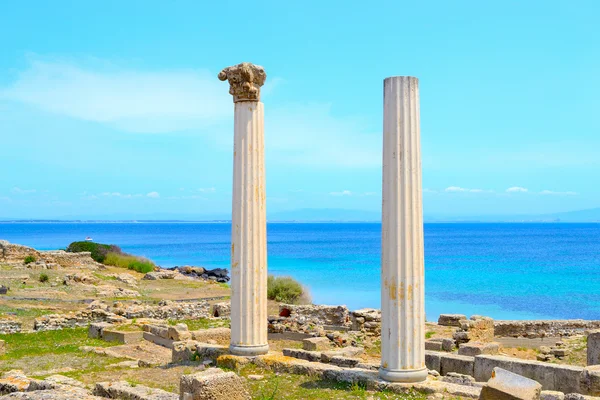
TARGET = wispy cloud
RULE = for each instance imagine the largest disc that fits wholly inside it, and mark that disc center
(153, 195)
(517, 189)
(458, 189)
(207, 190)
(18, 190)
(342, 193)
(130, 100)
(553, 193)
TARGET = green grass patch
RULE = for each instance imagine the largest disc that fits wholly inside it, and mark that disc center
(44, 277)
(202, 323)
(24, 312)
(65, 341)
(285, 289)
(130, 262)
(429, 334)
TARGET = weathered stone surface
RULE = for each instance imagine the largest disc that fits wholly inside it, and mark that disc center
(232, 362)
(14, 381)
(316, 344)
(476, 348)
(459, 379)
(179, 332)
(551, 395)
(124, 390)
(221, 310)
(455, 363)
(505, 385)
(213, 384)
(95, 329)
(9, 325)
(433, 345)
(563, 378)
(316, 314)
(433, 360)
(448, 344)
(543, 328)
(451, 319)
(303, 355)
(2, 347)
(15, 254)
(196, 351)
(110, 335)
(245, 80)
(212, 335)
(593, 347)
(590, 380)
(481, 329)
(168, 343)
(162, 274)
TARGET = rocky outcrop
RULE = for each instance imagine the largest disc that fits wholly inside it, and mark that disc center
(101, 312)
(124, 390)
(9, 325)
(15, 255)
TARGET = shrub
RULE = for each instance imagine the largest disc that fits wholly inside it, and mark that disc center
(286, 290)
(29, 259)
(98, 250)
(130, 262)
(44, 277)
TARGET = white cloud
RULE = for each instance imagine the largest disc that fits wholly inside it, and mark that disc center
(153, 195)
(551, 192)
(517, 189)
(130, 100)
(18, 190)
(342, 193)
(207, 190)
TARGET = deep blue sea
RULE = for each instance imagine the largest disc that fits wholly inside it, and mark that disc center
(506, 271)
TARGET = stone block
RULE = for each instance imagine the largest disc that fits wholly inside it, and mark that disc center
(168, 343)
(179, 332)
(316, 344)
(313, 356)
(476, 348)
(110, 335)
(451, 319)
(562, 378)
(593, 347)
(232, 362)
(95, 329)
(433, 345)
(157, 330)
(461, 337)
(481, 329)
(448, 344)
(195, 351)
(124, 390)
(213, 384)
(455, 363)
(345, 362)
(2, 347)
(505, 385)
(216, 335)
(590, 380)
(433, 360)
(551, 395)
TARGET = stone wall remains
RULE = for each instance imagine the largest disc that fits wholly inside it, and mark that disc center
(9, 325)
(544, 328)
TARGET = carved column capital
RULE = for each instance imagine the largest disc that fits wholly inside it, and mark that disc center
(245, 80)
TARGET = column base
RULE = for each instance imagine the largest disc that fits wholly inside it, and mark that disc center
(249, 351)
(403, 375)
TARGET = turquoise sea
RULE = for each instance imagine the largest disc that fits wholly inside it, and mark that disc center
(506, 271)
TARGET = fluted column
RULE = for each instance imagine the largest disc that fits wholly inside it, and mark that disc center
(402, 260)
(248, 221)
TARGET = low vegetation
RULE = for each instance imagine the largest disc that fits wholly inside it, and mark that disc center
(130, 262)
(44, 277)
(286, 289)
(110, 254)
(29, 259)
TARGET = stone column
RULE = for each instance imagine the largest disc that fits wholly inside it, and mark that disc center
(248, 220)
(402, 265)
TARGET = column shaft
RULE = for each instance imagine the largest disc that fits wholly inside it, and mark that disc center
(249, 233)
(402, 259)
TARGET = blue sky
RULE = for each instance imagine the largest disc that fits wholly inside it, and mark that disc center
(114, 108)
